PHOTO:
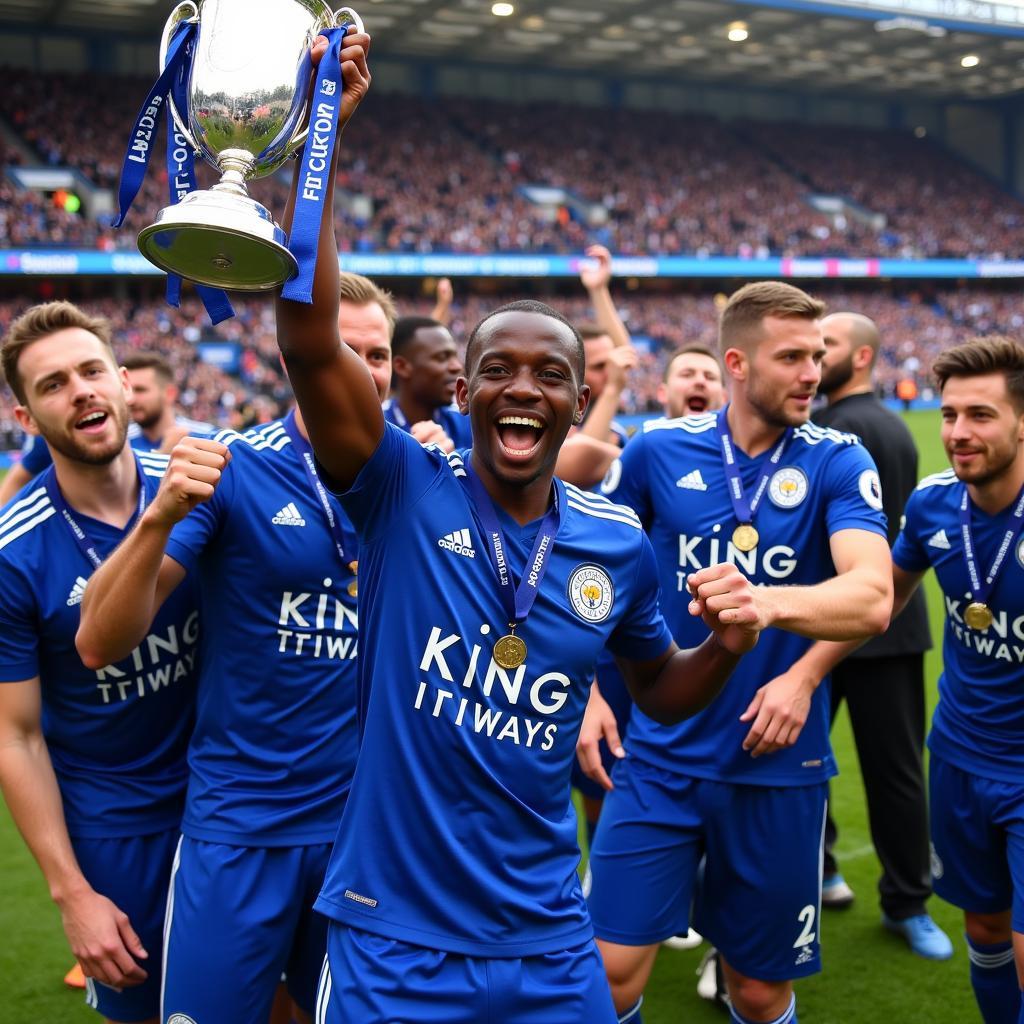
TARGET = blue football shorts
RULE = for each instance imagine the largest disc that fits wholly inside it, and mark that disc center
(977, 827)
(759, 900)
(376, 980)
(237, 918)
(133, 873)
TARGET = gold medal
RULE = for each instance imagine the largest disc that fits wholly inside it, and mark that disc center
(745, 537)
(353, 587)
(978, 616)
(509, 651)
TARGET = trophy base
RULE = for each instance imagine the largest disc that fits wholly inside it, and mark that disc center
(221, 240)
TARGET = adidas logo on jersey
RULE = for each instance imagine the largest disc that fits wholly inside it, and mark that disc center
(289, 516)
(692, 482)
(459, 542)
(939, 540)
(75, 597)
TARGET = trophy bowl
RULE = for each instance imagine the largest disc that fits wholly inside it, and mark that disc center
(247, 92)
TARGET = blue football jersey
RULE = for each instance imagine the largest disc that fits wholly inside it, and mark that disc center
(117, 736)
(979, 721)
(459, 833)
(275, 739)
(455, 425)
(673, 475)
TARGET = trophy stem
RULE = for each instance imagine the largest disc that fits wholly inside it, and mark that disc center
(235, 165)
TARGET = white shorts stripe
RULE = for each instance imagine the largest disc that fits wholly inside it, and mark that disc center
(323, 992)
(168, 917)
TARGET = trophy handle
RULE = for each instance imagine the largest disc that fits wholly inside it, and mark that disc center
(185, 11)
(339, 17)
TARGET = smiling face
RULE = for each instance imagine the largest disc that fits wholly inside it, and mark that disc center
(982, 431)
(75, 396)
(693, 384)
(522, 394)
(780, 373)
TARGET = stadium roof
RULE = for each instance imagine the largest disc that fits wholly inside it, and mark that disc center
(879, 47)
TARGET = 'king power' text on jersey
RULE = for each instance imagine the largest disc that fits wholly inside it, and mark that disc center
(979, 720)
(117, 736)
(275, 738)
(459, 833)
(673, 475)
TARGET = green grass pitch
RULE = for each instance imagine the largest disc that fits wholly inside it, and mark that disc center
(869, 976)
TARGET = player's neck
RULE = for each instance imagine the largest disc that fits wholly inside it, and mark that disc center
(851, 387)
(413, 409)
(752, 434)
(996, 495)
(159, 430)
(524, 503)
(108, 493)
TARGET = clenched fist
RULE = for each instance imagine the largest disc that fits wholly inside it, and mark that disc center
(193, 473)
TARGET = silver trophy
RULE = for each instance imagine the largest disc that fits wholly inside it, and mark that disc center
(247, 104)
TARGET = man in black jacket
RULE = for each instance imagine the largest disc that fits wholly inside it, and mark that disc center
(883, 682)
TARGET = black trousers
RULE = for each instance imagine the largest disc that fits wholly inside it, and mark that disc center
(885, 697)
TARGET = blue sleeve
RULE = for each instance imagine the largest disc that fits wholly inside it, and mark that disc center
(19, 640)
(642, 634)
(201, 525)
(459, 430)
(854, 492)
(35, 455)
(909, 552)
(394, 478)
(627, 482)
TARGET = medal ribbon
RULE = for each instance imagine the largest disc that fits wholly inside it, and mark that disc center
(982, 590)
(743, 509)
(305, 453)
(173, 84)
(314, 175)
(517, 607)
(85, 543)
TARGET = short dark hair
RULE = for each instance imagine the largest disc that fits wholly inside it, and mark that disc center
(149, 361)
(40, 322)
(695, 349)
(744, 313)
(530, 306)
(405, 330)
(981, 356)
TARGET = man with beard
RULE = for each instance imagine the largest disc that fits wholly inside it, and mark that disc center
(487, 591)
(883, 682)
(152, 404)
(965, 523)
(743, 784)
(425, 368)
(92, 763)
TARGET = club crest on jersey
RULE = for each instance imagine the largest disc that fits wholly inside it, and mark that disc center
(788, 487)
(612, 477)
(180, 1018)
(1020, 552)
(591, 593)
(871, 489)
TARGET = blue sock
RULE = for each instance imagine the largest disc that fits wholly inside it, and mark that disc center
(994, 980)
(788, 1017)
(632, 1015)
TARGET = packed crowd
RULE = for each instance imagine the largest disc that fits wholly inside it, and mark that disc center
(915, 326)
(433, 177)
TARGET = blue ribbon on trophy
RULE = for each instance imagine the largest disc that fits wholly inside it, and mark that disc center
(236, 75)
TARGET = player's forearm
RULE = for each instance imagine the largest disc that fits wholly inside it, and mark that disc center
(33, 798)
(607, 316)
(584, 461)
(687, 682)
(598, 423)
(120, 600)
(853, 606)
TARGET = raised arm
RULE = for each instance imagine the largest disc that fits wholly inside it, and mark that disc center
(100, 935)
(128, 589)
(596, 280)
(334, 390)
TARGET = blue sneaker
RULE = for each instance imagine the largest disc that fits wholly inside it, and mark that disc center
(923, 935)
(835, 893)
